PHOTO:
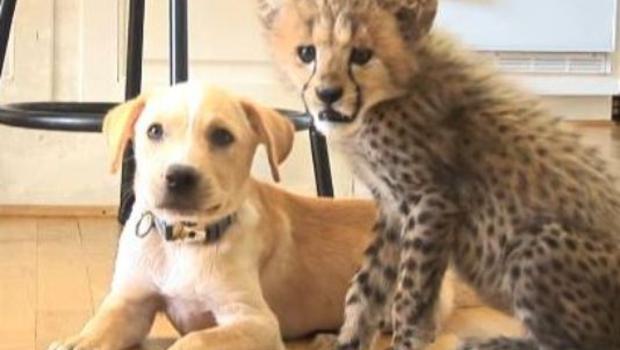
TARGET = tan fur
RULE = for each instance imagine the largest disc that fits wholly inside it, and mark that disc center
(273, 132)
(119, 128)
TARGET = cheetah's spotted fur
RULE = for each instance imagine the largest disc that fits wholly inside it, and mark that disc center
(470, 171)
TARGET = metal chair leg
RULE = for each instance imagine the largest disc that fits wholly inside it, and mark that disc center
(135, 43)
(615, 108)
(178, 41)
(7, 10)
(133, 86)
(320, 161)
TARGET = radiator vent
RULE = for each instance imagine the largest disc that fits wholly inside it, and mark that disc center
(553, 63)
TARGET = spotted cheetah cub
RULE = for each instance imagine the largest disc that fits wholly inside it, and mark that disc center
(467, 170)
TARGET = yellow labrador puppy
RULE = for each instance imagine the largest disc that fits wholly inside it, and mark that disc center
(234, 263)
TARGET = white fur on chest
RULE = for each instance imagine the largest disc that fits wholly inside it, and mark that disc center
(187, 270)
(188, 282)
(191, 280)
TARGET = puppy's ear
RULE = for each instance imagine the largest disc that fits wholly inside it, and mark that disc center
(273, 130)
(415, 17)
(118, 128)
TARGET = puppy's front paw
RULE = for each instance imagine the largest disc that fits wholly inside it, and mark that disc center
(80, 343)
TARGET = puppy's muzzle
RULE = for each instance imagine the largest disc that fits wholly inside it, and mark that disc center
(181, 188)
(181, 180)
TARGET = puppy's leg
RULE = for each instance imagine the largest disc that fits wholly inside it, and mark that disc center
(240, 327)
(119, 323)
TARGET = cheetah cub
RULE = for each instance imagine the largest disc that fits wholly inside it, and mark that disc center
(468, 171)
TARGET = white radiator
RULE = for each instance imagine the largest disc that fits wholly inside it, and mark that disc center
(557, 47)
(532, 25)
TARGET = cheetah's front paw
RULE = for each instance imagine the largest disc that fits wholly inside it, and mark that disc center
(330, 342)
(325, 342)
(409, 344)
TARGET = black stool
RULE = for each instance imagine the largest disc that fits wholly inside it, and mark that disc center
(88, 117)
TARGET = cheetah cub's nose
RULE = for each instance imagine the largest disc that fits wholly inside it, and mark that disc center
(329, 95)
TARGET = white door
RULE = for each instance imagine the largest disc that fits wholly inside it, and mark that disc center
(39, 167)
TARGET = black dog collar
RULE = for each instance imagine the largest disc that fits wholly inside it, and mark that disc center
(184, 231)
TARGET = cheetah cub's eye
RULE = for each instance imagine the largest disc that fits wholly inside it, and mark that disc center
(361, 56)
(307, 54)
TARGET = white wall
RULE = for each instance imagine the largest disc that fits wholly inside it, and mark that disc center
(73, 50)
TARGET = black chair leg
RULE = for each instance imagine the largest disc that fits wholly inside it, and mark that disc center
(178, 41)
(135, 42)
(127, 196)
(7, 10)
(133, 86)
(320, 161)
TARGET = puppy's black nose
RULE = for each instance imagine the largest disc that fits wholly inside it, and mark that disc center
(181, 179)
(329, 95)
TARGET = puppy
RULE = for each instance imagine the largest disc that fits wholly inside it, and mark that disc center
(233, 262)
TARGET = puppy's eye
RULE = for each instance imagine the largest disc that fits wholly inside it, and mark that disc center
(155, 132)
(361, 56)
(307, 54)
(221, 137)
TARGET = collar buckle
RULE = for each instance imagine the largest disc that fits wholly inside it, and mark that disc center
(183, 231)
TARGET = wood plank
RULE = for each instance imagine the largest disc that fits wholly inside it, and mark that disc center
(17, 229)
(54, 325)
(57, 210)
(63, 293)
(99, 238)
(18, 281)
(18, 304)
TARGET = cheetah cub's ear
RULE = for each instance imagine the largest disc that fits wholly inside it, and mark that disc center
(267, 11)
(415, 17)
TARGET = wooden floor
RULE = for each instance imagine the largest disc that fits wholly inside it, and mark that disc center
(55, 271)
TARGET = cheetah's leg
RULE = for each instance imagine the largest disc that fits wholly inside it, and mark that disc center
(499, 344)
(385, 324)
(562, 291)
(371, 289)
(424, 259)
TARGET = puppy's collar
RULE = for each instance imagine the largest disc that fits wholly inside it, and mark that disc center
(188, 232)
